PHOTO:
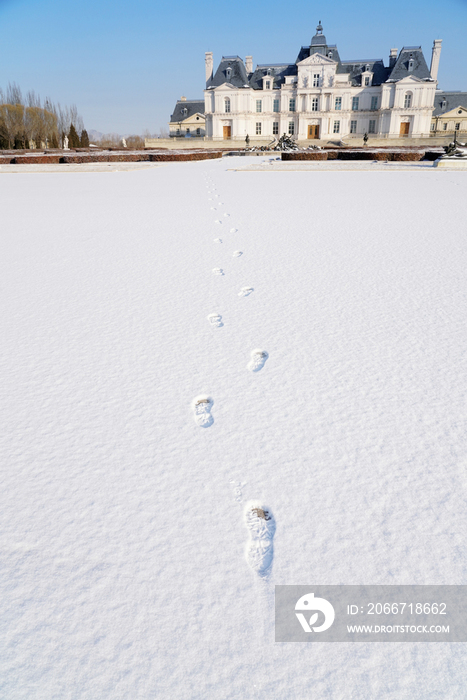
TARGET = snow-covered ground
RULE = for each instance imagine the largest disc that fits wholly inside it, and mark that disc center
(137, 425)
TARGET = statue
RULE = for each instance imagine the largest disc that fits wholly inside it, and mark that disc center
(286, 143)
(247, 141)
(124, 143)
(455, 149)
(65, 143)
(365, 138)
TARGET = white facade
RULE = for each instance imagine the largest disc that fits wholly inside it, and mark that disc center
(322, 100)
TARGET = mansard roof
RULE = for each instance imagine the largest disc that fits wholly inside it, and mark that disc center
(192, 107)
(277, 72)
(329, 50)
(238, 75)
(356, 68)
(452, 99)
(381, 73)
(401, 67)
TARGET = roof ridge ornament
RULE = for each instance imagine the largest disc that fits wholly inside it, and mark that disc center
(319, 39)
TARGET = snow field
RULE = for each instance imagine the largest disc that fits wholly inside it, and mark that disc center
(125, 525)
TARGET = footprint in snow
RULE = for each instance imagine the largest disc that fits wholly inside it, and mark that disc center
(233, 230)
(217, 240)
(237, 253)
(213, 208)
(245, 291)
(259, 549)
(224, 214)
(218, 221)
(215, 320)
(218, 271)
(258, 358)
(201, 406)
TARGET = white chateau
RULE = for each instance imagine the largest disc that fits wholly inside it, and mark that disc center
(321, 96)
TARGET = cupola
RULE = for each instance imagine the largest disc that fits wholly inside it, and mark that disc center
(319, 39)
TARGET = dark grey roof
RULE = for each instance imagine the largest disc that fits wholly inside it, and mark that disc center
(276, 71)
(452, 100)
(325, 49)
(381, 73)
(238, 75)
(319, 39)
(401, 67)
(355, 69)
(192, 107)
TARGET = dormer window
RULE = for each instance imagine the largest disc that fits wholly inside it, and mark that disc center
(367, 68)
(228, 73)
(411, 64)
(184, 111)
(330, 54)
(443, 104)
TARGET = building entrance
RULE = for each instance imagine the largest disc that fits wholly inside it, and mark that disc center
(313, 131)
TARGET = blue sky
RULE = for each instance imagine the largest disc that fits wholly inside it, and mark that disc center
(126, 63)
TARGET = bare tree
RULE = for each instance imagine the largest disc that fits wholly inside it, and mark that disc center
(13, 94)
(109, 141)
(12, 117)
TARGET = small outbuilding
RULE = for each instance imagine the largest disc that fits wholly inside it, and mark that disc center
(449, 114)
(188, 119)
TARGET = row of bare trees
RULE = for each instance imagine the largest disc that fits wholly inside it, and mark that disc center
(133, 141)
(27, 122)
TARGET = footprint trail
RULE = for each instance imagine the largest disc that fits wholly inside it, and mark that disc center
(201, 406)
(258, 358)
(259, 549)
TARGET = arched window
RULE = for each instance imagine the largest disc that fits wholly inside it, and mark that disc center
(407, 100)
(228, 73)
(227, 104)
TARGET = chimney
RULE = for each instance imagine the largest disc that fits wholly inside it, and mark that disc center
(209, 65)
(182, 99)
(249, 64)
(392, 58)
(435, 54)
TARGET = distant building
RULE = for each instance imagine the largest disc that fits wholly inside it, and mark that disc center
(188, 119)
(449, 114)
(321, 96)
